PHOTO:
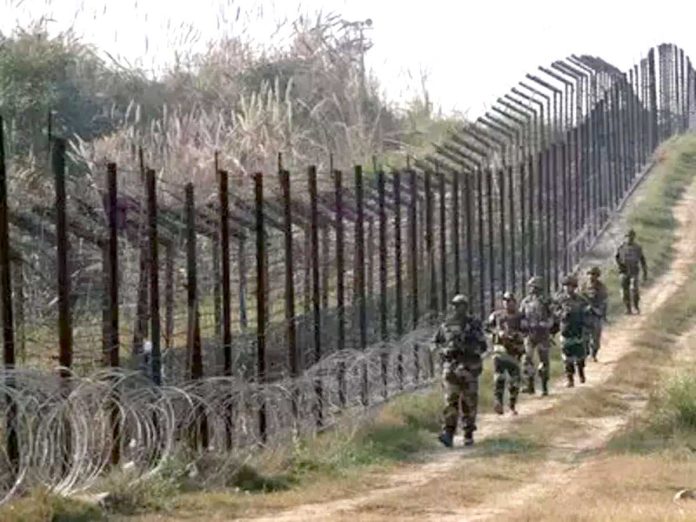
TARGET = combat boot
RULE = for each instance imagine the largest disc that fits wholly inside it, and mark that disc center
(498, 407)
(581, 374)
(530, 386)
(468, 438)
(571, 381)
(446, 438)
(544, 387)
(513, 410)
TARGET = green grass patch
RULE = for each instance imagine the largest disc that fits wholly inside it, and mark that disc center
(670, 424)
(42, 506)
(402, 429)
(508, 445)
(670, 421)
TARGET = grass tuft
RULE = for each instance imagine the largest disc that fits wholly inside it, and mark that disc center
(677, 406)
(43, 506)
(508, 445)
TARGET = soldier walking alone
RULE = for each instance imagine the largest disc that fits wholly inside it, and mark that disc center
(507, 327)
(630, 259)
(596, 294)
(536, 308)
(461, 342)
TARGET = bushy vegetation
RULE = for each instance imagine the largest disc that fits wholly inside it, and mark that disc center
(308, 100)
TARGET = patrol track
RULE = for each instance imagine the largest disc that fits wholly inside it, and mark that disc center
(618, 341)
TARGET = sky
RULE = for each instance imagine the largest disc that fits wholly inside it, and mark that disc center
(472, 52)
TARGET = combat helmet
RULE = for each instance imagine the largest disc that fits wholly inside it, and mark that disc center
(509, 296)
(536, 282)
(570, 280)
(460, 299)
(595, 271)
(631, 233)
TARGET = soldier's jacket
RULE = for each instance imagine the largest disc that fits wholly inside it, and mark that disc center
(574, 314)
(540, 320)
(461, 343)
(508, 331)
(596, 294)
(630, 258)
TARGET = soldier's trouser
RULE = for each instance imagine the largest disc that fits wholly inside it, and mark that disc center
(630, 289)
(506, 365)
(461, 392)
(528, 362)
(595, 338)
(574, 353)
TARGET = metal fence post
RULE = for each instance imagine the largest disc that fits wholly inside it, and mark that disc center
(501, 231)
(491, 245)
(398, 265)
(413, 248)
(481, 257)
(11, 442)
(382, 233)
(456, 233)
(193, 337)
(65, 331)
(261, 297)
(153, 263)
(443, 241)
(290, 327)
(113, 344)
(515, 262)
(468, 239)
(360, 276)
(554, 212)
(340, 283)
(223, 179)
(430, 244)
(316, 293)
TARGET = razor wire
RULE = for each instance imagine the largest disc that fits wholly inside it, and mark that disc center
(64, 426)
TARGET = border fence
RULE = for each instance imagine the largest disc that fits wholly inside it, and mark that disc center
(205, 325)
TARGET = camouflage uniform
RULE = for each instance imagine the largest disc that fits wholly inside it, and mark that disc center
(508, 329)
(573, 312)
(630, 259)
(596, 294)
(462, 342)
(537, 311)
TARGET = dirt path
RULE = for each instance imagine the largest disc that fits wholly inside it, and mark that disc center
(619, 340)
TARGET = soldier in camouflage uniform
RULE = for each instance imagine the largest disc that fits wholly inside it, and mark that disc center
(508, 328)
(461, 342)
(596, 294)
(573, 312)
(536, 308)
(630, 259)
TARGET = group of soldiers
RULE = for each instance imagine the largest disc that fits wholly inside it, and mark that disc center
(522, 332)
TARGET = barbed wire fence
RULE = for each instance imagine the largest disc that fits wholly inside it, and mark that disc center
(208, 323)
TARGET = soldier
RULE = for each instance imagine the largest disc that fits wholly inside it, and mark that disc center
(573, 312)
(461, 342)
(596, 294)
(507, 327)
(630, 259)
(536, 308)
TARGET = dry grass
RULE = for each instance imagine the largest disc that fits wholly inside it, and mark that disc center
(625, 488)
(465, 486)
